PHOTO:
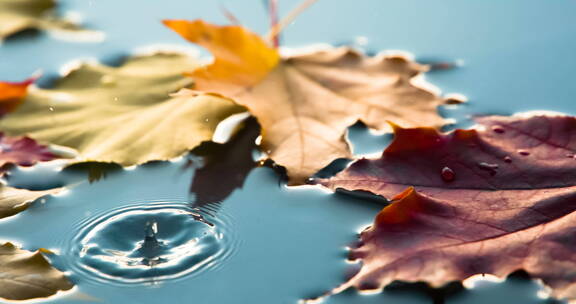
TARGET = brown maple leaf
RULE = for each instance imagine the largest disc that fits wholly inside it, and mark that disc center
(305, 102)
(490, 200)
(28, 274)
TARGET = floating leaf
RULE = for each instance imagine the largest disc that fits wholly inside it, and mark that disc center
(28, 275)
(305, 102)
(22, 151)
(19, 15)
(12, 94)
(122, 114)
(228, 164)
(14, 200)
(490, 200)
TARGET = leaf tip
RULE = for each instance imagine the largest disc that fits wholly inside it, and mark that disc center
(409, 139)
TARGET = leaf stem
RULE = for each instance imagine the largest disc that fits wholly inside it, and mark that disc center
(289, 18)
(273, 12)
(230, 16)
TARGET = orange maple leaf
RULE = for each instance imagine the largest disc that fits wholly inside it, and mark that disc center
(12, 94)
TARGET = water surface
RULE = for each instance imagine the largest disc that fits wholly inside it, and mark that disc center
(287, 244)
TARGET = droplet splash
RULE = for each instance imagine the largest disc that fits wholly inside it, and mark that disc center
(491, 168)
(151, 249)
(447, 174)
(149, 244)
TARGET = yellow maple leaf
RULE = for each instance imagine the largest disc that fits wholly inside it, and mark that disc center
(125, 114)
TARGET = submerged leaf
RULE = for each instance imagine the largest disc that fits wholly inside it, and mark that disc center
(305, 102)
(28, 275)
(122, 114)
(12, 94)
(22, 151)
(19, 15)
(14, 200)
(490, 200)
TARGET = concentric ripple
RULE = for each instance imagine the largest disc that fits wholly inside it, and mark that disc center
(149, 243)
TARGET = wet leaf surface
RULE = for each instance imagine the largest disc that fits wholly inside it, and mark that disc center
(305, 102)
(20, 15)
(508, 204)
(124, 114)
(28, 275)
(14, 200)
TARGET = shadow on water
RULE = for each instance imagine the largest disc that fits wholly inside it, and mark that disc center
(225, 166)
(453, 292)
(24, 35)
(333, 168)
(364, 142)
(95, 171)
(436, 295)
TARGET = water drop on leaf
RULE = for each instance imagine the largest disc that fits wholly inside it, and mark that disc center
(498, 129)
(447, 174)
(523, 152)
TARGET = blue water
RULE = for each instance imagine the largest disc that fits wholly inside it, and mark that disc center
(516, 56)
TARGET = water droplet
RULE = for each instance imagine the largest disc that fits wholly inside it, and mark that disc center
(51, 109)
(491, 168)
(115, 98)
(498, 129)
(150, 242)
(207, 119)
(508, 159)
(523, 152)
(447, 174)
(151, 230)
(151, 249)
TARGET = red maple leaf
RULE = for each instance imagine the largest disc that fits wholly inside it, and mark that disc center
(494, 199)
(22, 151)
